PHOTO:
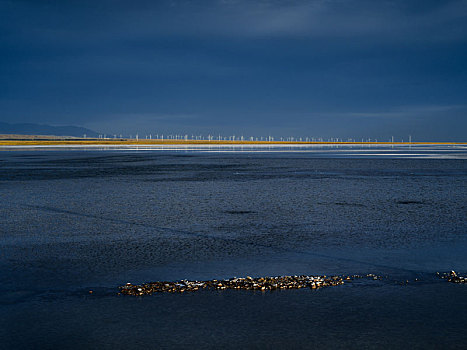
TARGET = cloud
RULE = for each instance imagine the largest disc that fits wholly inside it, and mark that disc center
(109, 21)
(127, 123)
(245, 63)
(393, 20)
(407, 112)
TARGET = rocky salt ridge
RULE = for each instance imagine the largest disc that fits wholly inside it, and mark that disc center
(248, 283)
(261, 283)
(453, 277)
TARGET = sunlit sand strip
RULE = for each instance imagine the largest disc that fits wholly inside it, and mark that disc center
(142, 142)
(236, 145)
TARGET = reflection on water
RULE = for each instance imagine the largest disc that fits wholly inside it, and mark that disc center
(74, 221)
(316, 150)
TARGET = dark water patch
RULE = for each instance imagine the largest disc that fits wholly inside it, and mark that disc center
(349, 204)
(168, 239)
(239, 212)
(175, 172)
(385, 318)
(23, 296)
(30, 156)
(113, 159)
(410, 202)
(189, 168)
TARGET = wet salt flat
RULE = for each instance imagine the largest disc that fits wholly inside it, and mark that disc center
(74, 221)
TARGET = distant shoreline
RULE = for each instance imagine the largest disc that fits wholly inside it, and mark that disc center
(65, 141)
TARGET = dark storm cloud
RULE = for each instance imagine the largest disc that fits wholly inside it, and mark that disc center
(75, 22)
(264, 66)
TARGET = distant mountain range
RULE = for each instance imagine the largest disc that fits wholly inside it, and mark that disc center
(43, 129)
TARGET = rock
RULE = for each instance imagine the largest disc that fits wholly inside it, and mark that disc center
(248, 283)
(453, 277)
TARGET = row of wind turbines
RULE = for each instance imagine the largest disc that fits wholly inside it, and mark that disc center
(234, 138)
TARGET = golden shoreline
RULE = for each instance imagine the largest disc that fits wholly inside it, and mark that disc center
(153, 142)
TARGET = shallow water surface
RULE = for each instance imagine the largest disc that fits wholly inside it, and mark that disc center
(75, 221)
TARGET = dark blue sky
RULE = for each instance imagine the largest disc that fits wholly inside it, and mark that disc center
(326, 68)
